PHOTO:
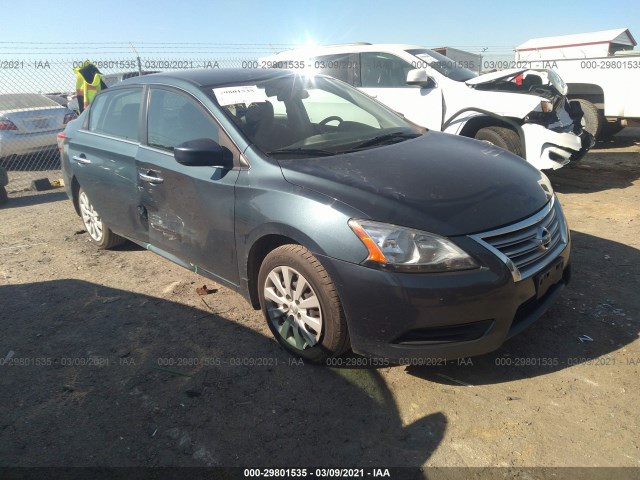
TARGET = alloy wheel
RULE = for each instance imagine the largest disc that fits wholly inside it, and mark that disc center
(293, 307)
(90, 218)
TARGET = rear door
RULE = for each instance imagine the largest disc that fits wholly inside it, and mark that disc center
(103, 158)
(189, 211)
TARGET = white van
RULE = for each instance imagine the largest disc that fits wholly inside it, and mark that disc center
(521, 110)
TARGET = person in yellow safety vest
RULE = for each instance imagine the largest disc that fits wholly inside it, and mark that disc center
(88, 84)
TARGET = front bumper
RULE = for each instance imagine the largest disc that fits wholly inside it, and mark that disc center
(547, 149)
(556, 138)
(409, 318)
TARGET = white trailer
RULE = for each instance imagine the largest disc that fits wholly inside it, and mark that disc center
(471, 61)
(601, 70)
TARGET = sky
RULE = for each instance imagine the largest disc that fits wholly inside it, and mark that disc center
(41, 41)
(64, 26)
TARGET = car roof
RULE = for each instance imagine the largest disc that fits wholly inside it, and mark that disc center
(209, 77)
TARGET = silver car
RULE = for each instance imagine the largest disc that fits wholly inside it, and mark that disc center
(29, 123)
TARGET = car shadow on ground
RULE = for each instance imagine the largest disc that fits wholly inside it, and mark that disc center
(35, 199)
(97, 376)
(596, 172)
(584, 324)
(627, 137)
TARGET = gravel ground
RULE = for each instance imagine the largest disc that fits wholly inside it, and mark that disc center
(110, 358)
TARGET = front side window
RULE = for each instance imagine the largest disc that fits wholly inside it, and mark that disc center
(174, 118)
(343, 66)
(115, 113)
(383, 70)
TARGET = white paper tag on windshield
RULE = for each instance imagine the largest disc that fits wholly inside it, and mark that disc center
(246, 94)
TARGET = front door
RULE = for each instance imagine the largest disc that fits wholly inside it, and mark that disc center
(189, 210)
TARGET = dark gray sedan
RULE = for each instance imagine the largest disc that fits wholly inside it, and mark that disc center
(347, 225)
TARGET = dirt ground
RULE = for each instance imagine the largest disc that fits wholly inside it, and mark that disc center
(111, 359)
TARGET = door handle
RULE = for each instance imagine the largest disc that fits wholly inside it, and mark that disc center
(81, 159)
(145, 177)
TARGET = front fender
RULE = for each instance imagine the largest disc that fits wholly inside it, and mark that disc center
(274, 207)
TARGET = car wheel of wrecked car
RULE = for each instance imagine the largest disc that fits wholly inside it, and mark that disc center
(301, 304)
(98, 231)
(501, 137)
(3, 196)
(593, 118)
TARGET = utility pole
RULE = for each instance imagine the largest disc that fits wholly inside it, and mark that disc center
(484, 49)
(137, 57)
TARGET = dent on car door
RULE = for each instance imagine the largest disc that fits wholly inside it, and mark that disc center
(103, 158)
(188, 210)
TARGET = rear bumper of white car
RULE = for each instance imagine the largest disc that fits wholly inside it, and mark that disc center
(546, 149)
(23, 143)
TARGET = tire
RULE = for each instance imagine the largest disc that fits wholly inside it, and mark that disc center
(99, 233)
(3, 195)
(501, 137)
(593, 118)
(324, 334)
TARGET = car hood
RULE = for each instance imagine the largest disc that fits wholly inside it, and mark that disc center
(493, 76)
(444, 184)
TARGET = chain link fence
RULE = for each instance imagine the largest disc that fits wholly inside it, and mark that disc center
(37, 100)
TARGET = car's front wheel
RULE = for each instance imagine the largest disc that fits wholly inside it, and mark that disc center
(99, 233)
(301, 304)
(501, 137)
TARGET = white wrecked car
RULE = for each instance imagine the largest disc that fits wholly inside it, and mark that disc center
(521, 110)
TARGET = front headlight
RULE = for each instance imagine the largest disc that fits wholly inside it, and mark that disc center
(405, 249)
(545, 184)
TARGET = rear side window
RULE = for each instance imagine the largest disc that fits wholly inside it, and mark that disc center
(383, 70)
(174, 118)
(115, 113)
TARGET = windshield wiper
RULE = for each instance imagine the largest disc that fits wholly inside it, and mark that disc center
(302, 151)
(383, 138)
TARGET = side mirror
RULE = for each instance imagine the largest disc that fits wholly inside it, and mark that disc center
(419, 77)
(203, 152)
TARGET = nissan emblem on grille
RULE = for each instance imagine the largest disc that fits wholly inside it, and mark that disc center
(529, 245)
(543, 238)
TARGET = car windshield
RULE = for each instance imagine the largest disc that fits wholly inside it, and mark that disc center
(15, 101)
(294, 115)
(445, 65)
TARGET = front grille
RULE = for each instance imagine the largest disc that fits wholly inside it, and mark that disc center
(528, 246)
